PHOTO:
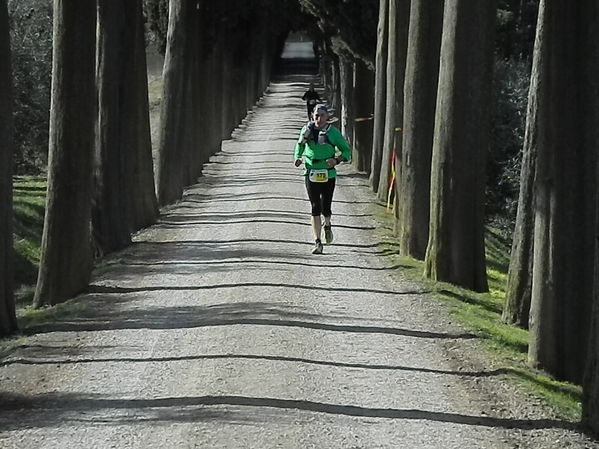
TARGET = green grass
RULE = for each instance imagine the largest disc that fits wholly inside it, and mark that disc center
(29, 201)
(506, 346)
(30, 318)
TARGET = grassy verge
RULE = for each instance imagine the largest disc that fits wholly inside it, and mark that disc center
(480, 313)
(29, 202)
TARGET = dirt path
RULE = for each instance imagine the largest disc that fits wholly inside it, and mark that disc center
(219, 329)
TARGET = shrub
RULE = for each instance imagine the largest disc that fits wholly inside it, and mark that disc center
(31, 44)
(512, 79)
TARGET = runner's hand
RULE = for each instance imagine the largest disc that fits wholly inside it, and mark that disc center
(298, 162)
(331, 162)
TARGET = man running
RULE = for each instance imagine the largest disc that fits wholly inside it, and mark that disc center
(311, 97)
(317, 147)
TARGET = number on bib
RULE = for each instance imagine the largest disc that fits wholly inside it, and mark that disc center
(319, 175)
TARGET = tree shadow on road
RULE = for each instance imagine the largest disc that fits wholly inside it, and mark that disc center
(52, 355)
(50, 410)
(105, 314)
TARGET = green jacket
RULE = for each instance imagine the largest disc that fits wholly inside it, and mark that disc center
(315, 154)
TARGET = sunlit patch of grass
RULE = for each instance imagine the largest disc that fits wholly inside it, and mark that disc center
(480, 313)
(29, 202)
(563, 396)
(30, 318)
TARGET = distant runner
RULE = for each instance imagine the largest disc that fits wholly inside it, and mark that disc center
(311, 98)
(317, 145)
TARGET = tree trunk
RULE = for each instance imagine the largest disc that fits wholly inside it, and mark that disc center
(399, 12)
(346, 90)
(8, 320)
(193, 98)
(212, 107)
(456, 248)
(422, 76)
(380, 92)
(336, 88)
(563, 274)
(110, 221)
(142, 197)
(590, 399)
(364, 104)
(516, 310)
(124, 196)
(66, 255)
(173, 135)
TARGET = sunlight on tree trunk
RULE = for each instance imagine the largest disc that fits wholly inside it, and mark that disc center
(422, 75)
(456, 250)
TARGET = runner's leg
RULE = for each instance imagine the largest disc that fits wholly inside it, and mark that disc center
(327, 200)
(315, 196)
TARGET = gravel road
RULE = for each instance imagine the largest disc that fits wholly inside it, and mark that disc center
(218, 329)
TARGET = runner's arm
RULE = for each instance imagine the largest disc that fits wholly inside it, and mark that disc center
(300, 146)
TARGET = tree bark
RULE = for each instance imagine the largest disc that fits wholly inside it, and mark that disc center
(193, 97)
(380, 92)
(110, 221)
(590, 399)
(516, 310)
(8, 320)
(168, 169)
(212, 106)
(66, 255)
(173, 133)
(399, 12)
(228, 82)
(142, 197)
(420, 95)
(336, 88)
(124, 194)
(346, 89)
(563, 274)
(456, 249)
(364, 104)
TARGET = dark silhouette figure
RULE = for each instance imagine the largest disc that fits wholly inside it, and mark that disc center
(311, 98)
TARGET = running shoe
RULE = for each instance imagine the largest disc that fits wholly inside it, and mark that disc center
(317, 247)
(328, 235)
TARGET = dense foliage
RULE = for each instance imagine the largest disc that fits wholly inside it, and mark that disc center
(31, 43)
(509, 119)
(516, 25)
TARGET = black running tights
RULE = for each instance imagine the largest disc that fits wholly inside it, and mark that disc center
(321, 196)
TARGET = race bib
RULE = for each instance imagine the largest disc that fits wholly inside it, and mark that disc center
(312, 101)
(319, 175)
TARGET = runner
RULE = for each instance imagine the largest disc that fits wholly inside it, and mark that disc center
(317, 147)
(311, 97)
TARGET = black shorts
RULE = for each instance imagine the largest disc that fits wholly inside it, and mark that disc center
(321, 196)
